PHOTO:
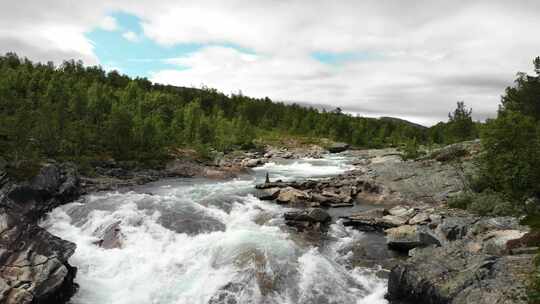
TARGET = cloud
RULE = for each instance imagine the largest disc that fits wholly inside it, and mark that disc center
(130, 36)
(108, 23)
(410, 59)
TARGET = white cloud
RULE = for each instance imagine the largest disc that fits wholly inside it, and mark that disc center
(429, 53)
(108, 23)
(130, 36)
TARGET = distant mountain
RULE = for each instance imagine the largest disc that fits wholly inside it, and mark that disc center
(394, 119)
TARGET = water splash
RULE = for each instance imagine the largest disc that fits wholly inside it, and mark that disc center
(199, 241)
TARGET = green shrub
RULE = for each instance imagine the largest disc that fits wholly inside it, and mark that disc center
(484, 203)
(461, 201)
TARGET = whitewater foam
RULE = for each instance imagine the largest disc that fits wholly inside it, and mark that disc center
(232, 257)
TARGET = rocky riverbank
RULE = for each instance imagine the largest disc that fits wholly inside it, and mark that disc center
(34, 265)
(454, 256)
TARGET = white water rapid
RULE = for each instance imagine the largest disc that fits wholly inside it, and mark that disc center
(198, 241)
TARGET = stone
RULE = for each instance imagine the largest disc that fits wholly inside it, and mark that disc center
(406, 237)
(338, 147)
(393, 220)
(34, 264)
(290, 195)
(269, 194)
(422, 217)
(110, 236)
(455, 228)
(451, 274)
(312, 215)
(402, 212)
(495, 242)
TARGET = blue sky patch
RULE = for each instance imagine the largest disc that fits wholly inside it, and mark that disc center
(339, 58)
(142, 56)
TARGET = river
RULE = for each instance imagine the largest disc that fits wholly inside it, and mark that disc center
(206, 241)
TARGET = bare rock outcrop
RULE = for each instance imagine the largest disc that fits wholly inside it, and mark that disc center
(34, 264)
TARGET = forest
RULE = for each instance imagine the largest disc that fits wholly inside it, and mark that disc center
(79, 113)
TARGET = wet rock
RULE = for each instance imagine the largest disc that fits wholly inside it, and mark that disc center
(293, 196)
(338, 147)
(34, 264)
(372, 220)
(250, 163)
(110, 236)
(312, 215)
(269, 194)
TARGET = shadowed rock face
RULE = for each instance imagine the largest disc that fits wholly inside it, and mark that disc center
(450, 274)
(34, 264)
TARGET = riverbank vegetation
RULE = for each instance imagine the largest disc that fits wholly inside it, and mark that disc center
(81, 113)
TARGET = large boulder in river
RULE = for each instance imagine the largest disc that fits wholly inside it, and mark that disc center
(338, 147)
(293, 196)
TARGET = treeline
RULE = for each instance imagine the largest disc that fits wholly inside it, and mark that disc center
(508, 177)
(74, 112)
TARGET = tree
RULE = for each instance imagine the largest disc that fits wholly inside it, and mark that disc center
(460, 123)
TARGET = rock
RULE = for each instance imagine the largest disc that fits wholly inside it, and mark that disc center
(393, 220)
(495, 242)
(184, 168)
(373, 220)
(250, 163)
(406, 237)
(290, 195)
(402, 212)
(420, 218)
(451, 274)
(110, 236)
(454, 228)
(312, 215)
(338, 147)
(269, 194)
(313, 219)
(34, 264)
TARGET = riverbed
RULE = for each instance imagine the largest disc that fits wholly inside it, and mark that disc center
(207, 241)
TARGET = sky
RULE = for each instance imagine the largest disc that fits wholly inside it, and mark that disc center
(410, 59)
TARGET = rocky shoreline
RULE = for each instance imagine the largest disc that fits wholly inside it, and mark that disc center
(453, 256)
(34, 265)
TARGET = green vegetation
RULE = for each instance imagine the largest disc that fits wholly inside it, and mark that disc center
(73, 112)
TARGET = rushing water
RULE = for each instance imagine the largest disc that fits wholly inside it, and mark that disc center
(200, 241)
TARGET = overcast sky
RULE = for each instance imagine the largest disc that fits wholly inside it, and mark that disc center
(409, 59)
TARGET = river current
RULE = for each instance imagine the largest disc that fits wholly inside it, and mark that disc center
(199, 241)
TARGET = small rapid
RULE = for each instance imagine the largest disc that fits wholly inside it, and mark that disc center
(202, 241)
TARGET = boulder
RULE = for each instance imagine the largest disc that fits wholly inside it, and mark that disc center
(269, 194)
(34, 264)
(312, 215)
(291, 195)
(407, 237)
(110, 236)
(402, 212)
(452, 274)
(393, 220)
(454, 228)
(420, 218)
(338, 147)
